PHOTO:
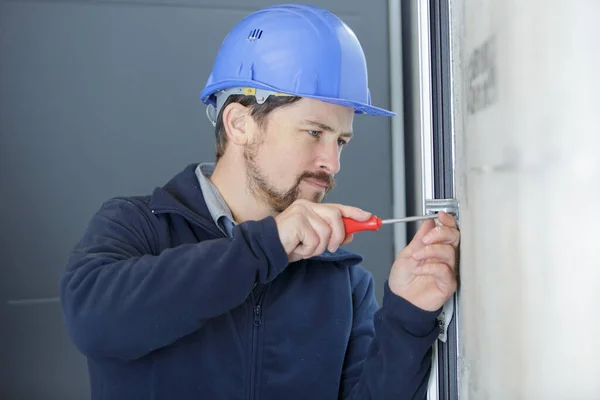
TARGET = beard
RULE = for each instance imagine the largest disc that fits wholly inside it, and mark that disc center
(278, 200)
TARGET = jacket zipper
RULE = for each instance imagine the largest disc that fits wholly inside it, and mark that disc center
(256, 324)
(256, 303)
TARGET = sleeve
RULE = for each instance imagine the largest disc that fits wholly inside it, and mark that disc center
(120, 300)
(389, 351)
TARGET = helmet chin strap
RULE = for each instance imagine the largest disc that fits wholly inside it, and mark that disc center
(221, 96)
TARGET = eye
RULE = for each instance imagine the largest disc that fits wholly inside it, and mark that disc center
(342, 142)
(314, 133)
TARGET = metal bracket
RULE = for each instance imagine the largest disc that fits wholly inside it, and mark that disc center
(450, 206)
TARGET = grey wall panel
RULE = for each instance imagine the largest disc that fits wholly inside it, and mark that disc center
(38, 359)
(101, 98)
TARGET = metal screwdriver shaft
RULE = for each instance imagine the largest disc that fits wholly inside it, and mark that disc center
(408, 219)
(374, 223)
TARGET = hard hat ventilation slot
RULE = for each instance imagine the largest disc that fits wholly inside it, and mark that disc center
(255, 34)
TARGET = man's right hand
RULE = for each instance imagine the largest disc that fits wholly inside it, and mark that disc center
(306, 229)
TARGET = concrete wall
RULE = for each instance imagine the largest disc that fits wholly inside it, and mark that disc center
(528, 178)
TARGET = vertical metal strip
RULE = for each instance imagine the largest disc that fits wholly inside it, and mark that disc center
(424, 43)
(397, 122)
(443, 142)
(426, 131)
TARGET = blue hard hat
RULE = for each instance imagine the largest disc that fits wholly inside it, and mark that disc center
(290, 49)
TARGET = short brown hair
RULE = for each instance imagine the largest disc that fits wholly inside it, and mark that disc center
(258, 111)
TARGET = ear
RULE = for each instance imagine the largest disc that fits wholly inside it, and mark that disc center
(235, 119)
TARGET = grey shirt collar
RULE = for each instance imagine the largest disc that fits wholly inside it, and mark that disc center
(217, 206)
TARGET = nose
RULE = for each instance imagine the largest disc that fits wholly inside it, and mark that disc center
(329, 158)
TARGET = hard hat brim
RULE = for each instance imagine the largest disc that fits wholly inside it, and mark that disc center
(359, 108)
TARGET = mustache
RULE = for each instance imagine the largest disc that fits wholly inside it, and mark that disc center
(321, 177)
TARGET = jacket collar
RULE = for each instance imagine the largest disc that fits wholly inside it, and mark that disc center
(182, 195)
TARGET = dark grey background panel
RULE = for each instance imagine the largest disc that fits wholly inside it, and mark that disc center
(101, 98)
(39, 361)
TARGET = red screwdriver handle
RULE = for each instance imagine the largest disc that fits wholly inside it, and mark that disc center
(351, 225)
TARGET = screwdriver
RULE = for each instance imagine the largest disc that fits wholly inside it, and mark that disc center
(374, 223)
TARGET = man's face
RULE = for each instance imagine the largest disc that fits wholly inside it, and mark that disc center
(297, 153)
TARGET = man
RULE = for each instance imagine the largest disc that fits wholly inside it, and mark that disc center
(229, 282)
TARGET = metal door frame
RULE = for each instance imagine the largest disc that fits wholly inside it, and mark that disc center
(425, 42)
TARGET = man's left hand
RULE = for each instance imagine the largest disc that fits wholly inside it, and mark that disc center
(424, 273)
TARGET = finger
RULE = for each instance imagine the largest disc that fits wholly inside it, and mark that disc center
(446, 219)
(417, 241)
(441, 271)
(442, 234)
(323, 230)
(309, 239)
(437, 269)
(443, 252)
(352, 212)
(294, 257)
(333, 217)
(347, 240)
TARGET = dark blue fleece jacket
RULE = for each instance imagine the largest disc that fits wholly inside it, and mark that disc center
(165, 307)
